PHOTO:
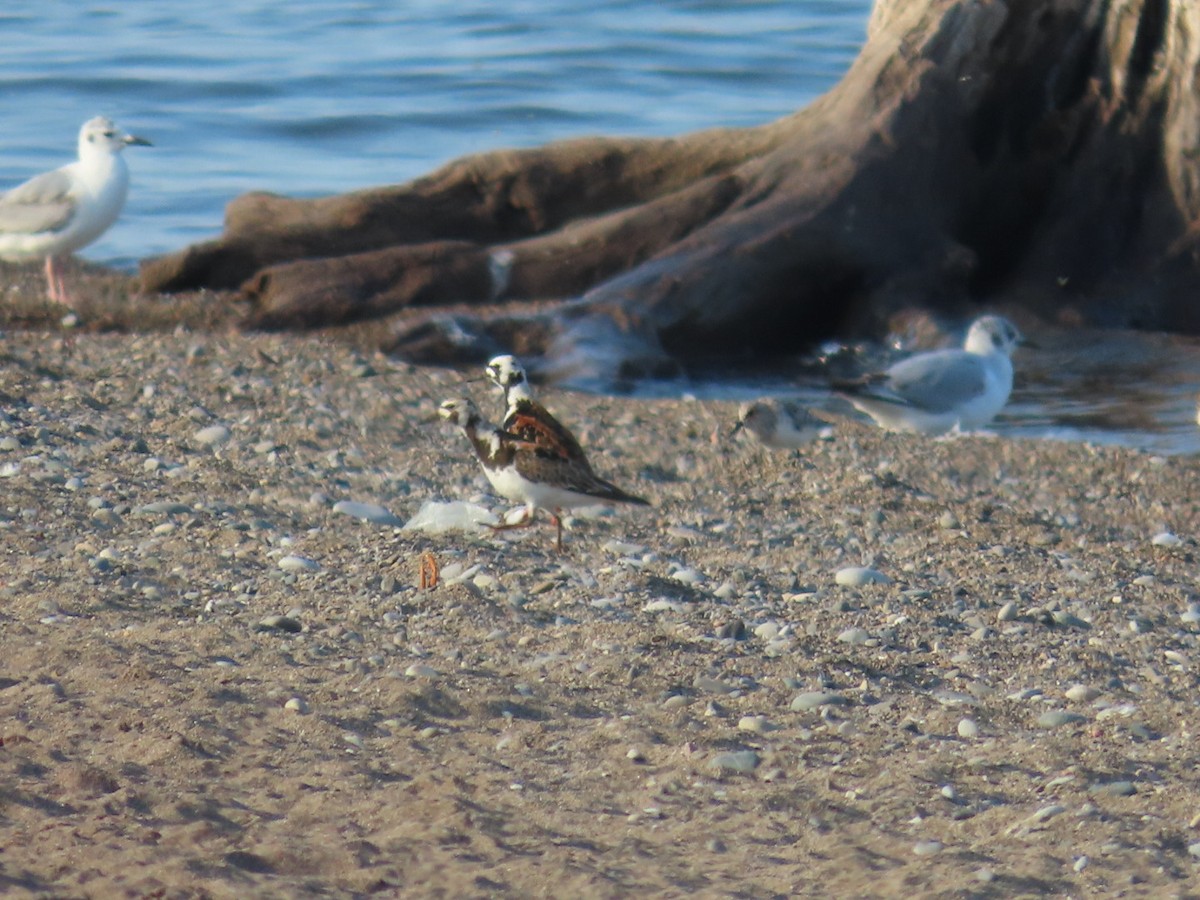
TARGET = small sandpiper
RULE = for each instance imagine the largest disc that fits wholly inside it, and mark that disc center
(779, 424)
(526, 472)
(934, 392)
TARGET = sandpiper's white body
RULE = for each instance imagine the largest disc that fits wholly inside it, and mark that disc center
(780, 424)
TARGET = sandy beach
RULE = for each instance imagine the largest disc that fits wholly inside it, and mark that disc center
(882, 666)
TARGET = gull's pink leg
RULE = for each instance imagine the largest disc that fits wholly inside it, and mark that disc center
(51, 287)
(58, 288)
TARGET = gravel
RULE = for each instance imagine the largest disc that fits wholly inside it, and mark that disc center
(217, 641)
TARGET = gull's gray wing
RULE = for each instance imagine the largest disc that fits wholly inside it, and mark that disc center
(43, 203)
(936, 382)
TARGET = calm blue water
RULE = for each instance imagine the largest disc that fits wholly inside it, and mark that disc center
(308, 98)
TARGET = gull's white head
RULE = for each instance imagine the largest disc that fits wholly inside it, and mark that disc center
(506, 373)
(101, 137)
(992, 334)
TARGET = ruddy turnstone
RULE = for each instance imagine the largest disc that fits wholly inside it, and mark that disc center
(781, 424)
(58, 212)
(525, 417)
(931, 393)
(526, 472)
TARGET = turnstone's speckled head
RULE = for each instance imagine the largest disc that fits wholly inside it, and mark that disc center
(460, 411)
(505, 372)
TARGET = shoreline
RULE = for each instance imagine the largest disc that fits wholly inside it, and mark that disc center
(687, 701)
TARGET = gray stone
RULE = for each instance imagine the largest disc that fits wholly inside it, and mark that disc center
(859, 576)
(735, 761)
(367, 512)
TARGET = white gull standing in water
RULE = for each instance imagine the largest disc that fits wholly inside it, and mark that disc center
(56, 213)
(934, 392)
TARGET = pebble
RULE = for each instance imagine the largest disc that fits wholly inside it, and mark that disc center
(1045, 813)
(859, 576)
(815, 699)
(968, 729)
(280, 623)
(662, 604)
(164, 507)
(687, 575)
(1056, 718)
(621, 548)
(854, 636)
(419, 670)
(1175, 658)
(1080, 864)
(710, 685)
(735, 761)
(1081, 693)
(367, 512)
(1025, 694)
(927, 848)
(296, 705)
(726, 591)
(293, 563)
(1007, 613)
(735, 630)
(212, 436)
(954, 698)
(755, 724)
(1167, 539)
(948, 521)
(1114, 789)
(1067, 620)
(634, 754)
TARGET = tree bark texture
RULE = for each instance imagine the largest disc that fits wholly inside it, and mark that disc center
(1020, 152)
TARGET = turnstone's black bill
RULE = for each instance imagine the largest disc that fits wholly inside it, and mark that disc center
(526, 472)
(931, 393)
(781, 424)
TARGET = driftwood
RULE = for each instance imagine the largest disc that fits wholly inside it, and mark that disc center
(1038, 152)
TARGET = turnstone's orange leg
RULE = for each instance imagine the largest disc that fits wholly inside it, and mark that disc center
(558, 524)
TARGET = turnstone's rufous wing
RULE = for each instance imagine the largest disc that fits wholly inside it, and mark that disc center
(528, 419)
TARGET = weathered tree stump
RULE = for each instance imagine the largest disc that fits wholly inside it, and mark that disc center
(1036, 152)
